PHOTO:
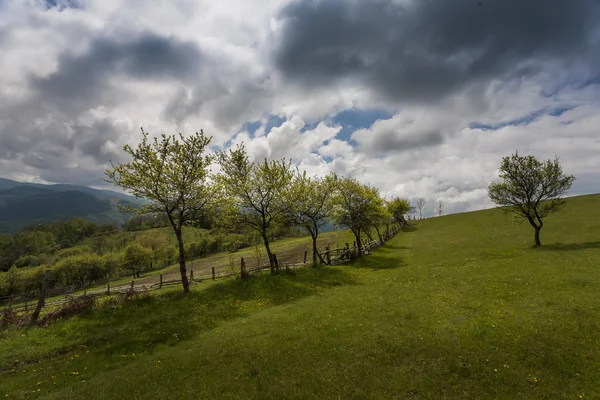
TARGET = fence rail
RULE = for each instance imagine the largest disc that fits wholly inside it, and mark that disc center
(341, 255)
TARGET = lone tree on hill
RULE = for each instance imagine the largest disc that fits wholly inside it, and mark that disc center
(530, 189)
(172, 173)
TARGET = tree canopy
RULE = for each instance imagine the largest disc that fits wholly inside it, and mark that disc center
(257, 192)
(530, 189)
(173, 175)
(310, 205)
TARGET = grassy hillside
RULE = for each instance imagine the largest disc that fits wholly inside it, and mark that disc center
(458, 307)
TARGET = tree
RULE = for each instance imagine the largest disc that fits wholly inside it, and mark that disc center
(381, 217)
(356, 206)
(158, 242)
(80, 269)
(137, 258)
(310, 207)
(257, 192)
(172, 173)
(530, 189)
(421, 203)
(440, 208)
(398, 208)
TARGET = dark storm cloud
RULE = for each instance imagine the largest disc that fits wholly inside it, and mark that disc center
(426, 49)
(392, 141)
(81, 79)
(44, 131)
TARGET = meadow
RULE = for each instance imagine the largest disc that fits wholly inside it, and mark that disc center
(454, 307)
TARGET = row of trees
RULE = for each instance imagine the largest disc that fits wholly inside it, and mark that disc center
(173, 174)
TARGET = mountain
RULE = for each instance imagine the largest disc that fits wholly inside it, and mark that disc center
(24, 204)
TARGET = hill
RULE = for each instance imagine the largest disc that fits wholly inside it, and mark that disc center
(455, 307)
(25, 204)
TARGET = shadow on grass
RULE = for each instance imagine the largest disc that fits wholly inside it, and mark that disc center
(172, 318)
(570, 246)
(385, 257)
(409, 228)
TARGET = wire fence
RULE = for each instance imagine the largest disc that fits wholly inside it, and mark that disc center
(55, 298)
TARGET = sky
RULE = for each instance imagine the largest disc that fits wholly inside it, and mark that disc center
(420, 98)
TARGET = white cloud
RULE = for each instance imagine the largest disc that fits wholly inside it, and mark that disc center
(425, 150)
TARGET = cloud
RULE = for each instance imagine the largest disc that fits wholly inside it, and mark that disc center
(426, 50)
(404, 131)
(82, 80)
(420, 98)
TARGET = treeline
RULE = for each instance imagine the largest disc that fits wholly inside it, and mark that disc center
(36, 245)
(175, 174)
(77, 253)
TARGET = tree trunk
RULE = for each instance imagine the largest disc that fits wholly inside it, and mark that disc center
(42, 299)
(314, 242)
(269, 254)
(537, 229)
(182, 270)
(378, 234)
(357, 237)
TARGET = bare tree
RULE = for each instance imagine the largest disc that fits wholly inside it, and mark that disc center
(421, 203)
(440, 207)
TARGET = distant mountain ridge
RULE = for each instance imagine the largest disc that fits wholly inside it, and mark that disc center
(23, 204)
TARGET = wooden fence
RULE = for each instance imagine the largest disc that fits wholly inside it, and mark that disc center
(336, 256)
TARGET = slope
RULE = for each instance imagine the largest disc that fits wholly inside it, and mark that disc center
(25, 204)
(457, 307)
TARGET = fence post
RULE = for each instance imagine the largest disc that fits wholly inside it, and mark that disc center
(328, 253)
(85, 291)
(132, 286)
(243, 274)
(160, 282)
(276, 263)
(192, 272)
(305, 254)
(42, 299)
(108, 288)
(213, 273)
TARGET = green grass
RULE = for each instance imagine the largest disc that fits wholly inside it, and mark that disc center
(457, 307)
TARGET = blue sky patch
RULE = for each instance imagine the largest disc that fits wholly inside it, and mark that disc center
(354, 119)
(524, 120)
(62, 4)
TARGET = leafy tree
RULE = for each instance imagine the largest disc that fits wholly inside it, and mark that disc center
(111, 263)
(398, 208)
(80, 269)
(137, 258)
(382, 217)
(162, 252)
(257, 191)
(310, 205)
(530, 189)
(172, 173)
(356, 206)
